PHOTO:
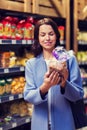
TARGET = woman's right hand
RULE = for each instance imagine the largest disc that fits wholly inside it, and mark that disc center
(51, 78)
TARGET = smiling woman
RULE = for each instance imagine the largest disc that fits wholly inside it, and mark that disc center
(47, 37)
(39, 33)
(45, 78)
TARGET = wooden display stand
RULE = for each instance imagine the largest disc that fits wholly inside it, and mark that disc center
(20, 5)
(49, 7)
(80, 13)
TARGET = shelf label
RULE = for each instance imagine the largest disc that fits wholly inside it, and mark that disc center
(29, 42)
(27, 120)
(20, 96)
(22, 68)
(23, 41)
(13, 41)
(0, 41)
(11, 98)
(6, 70)
(14, 125)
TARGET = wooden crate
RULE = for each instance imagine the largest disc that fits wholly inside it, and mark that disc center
(49, 7)
(16, 5)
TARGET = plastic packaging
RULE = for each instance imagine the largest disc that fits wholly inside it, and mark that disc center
(62, 54)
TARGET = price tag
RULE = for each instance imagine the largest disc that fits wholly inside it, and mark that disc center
(22, 68)
(14, 125)
(13, 41)
(0, 41)
(6, 70)
(23, 41)
(20, 96)
(11, 98)
(29, 42)
(27, 120)
(1, 128)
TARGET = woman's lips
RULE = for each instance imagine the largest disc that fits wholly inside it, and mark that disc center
(48, 43)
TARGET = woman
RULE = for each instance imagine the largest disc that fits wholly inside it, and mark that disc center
(44, 84)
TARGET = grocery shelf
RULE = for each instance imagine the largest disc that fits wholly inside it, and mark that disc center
(82, 63)
(80, 42)
(15, 122)
(12, 69)
(10, 97)
(10, 41)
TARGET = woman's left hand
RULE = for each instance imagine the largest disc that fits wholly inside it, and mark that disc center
(64, 77)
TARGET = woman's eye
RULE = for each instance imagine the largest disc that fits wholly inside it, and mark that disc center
(42, 35)
(51, 34)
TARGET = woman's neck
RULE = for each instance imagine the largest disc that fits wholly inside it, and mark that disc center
(47, 55)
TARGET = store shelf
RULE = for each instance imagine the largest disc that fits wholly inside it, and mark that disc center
(82, 63)
(10, 41)
(12, 70)
(10, 97)
(15, 122)
(83, 43)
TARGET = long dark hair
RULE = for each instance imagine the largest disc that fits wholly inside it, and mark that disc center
(36, 47)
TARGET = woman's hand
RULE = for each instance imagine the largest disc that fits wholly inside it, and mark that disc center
(51, 78)
(64, 77)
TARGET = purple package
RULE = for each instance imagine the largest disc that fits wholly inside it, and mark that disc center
(61, 54)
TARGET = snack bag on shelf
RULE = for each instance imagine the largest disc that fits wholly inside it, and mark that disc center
(7, 21)
(1, 29)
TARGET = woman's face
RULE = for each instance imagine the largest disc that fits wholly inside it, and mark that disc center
(47, 37)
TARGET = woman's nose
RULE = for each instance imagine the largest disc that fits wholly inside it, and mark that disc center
(47, 37)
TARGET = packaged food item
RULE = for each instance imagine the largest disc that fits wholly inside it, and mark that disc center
(23, 109)
(14, 108)
(62, 54)
(12, 59)
(27, 30)
(5, 58)
(20, 30)
(17, 85)
(32, 21)
(13, 27)
(61, 30)
(7, 27)
(1, 29)
(2, 86)
(8, 85)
